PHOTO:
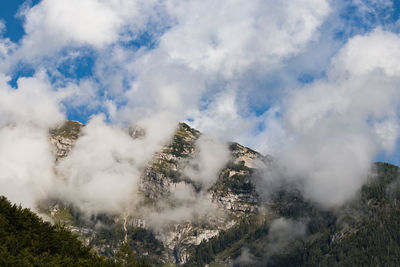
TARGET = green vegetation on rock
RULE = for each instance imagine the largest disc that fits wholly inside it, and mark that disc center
(363, 232)
(183, 141)
(70, 129)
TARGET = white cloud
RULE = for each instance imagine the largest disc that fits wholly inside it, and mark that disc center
(336, 126)
(199, 46)
(227, 37)
(210, 46)
(221, 117)
(211, 156)
(375, 51)
(26, 164)
(26, 114)
(215, 53)
(33, 102)
(84, 92)
(102, 172)
(53, 25)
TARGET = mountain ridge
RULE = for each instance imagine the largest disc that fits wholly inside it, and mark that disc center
(164, 173)
(247, 221)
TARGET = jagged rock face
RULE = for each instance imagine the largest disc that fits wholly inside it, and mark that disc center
(243, 203)
(235, 196)
(244, 154)
(166, 167)
(233, 192)
(64, 137)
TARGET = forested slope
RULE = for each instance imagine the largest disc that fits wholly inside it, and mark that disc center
(25, 240)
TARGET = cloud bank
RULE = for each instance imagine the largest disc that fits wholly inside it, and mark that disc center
(338, 125)
(295, 79)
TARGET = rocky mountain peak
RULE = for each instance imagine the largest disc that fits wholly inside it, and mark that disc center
(63, 137)
(233, 194)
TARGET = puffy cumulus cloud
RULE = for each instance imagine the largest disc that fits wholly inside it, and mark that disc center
(103, 170)
(32, 102)
(197, 47)
(209, 30)
(75, 94)
(361, 85)
(210, 46)
(26, 164)
(91, 22)
(227, 37)
(164, 87)
(204, 61)
(26, 114)
(158, 128)
(221, 117)
(52, 25)
(364, 54)
(336, 126)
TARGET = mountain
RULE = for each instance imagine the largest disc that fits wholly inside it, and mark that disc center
(362, 232)
(244, 227)
(233, 194)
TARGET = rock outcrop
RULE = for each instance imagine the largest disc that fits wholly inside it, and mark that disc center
(64, 137)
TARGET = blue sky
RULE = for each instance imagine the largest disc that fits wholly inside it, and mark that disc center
(353, 22)
(108, 70)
